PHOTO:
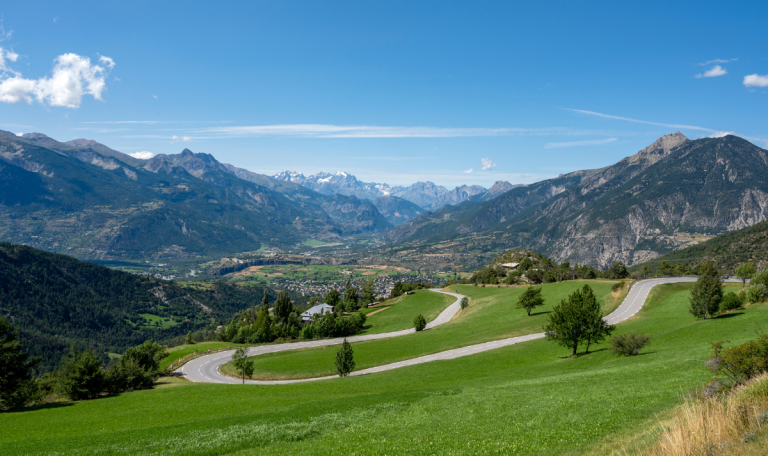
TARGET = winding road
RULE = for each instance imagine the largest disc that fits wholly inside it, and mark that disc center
(206, 368)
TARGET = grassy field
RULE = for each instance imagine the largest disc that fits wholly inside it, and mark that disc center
(529, 398)
(491, 315)
(400, 314)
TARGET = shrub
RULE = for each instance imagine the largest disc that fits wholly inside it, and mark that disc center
(617, 286)
(628, 344)
(419, 322)
(757, 292)
(464, 302)
(741, 362)
(730, 301)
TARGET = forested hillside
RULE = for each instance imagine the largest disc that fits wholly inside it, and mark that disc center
(728, 250)
(57, 301)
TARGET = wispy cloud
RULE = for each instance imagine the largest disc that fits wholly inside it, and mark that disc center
(469, 171)
(392, 158)
(593, 142)
(627, 119)
(152, 122)
(710, 62)
(755, 80)
(487, 164)
(713, 72)
(372, 131)
(176, 139)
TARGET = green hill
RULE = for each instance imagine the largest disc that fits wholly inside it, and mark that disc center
(56, 301)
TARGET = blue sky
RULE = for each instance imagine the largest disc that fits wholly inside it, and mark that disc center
(395, 92)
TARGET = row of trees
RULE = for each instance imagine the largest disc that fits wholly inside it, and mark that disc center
(257, 325)
(545, 271)
(81, 375)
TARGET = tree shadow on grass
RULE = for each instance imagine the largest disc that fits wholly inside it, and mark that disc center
(33, 408)
(730, 315)
(544, 312)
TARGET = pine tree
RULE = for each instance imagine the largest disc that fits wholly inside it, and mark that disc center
(707, 292)
(597, 328)
(82, 376)
(188, 340)
(345, 362)
(15, 368)
(419, 323)
(350, 295)
(265, 300)
(283, 307)
(369, 295)
(530, 299)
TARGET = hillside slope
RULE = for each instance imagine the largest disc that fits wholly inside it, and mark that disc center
(57, 301)
(632, 211)
(727, 250)
(75, 200)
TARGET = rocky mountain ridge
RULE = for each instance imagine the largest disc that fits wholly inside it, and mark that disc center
(426, 195)
(637, 209)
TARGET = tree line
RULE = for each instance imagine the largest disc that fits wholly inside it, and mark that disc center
(81, 376)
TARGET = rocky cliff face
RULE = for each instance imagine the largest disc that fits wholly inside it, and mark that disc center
(635, 210)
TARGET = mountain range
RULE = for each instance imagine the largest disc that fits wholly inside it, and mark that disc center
(425, 195)
(645, 205)
(87, 200)
(90, 201)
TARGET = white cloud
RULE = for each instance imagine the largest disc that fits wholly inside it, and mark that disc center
(709, 62)
(181, 138)
(720, 134)
(487, 164)
(469, 171)
(73, 77)
(755, 80)
(143, 155)
(594, 142)
(155, 96)
(713, 72)
(19, 134)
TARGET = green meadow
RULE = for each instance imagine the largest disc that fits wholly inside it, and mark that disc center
(530, 398)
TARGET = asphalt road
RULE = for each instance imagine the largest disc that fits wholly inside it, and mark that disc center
(206, 368)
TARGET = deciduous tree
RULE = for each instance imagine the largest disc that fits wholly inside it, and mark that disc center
(530, 299)
(745, 271)
(243, 365)
(81, 376)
